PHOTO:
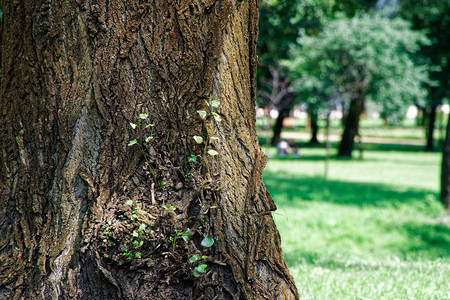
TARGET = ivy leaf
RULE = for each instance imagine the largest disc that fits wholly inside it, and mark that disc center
(133, 125)
(217, 117)
(201, 268)
(201, 113)
(207, 242)
(185, 236)
(143, 116)
(215, 103)
(198, 139)
(212, 152)
(192, 158)
(132, 142)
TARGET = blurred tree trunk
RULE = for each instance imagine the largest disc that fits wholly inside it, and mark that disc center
(72, 194)
(431, 116)
(314, 117)
(283, 114)
(351, 125)
(445, 170)
(285, 107)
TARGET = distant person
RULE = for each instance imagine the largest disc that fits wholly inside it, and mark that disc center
(283, 148)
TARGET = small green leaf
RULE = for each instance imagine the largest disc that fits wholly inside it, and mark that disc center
(213, 138)
(207, 242)
(147, 139)
(198, 139)
(215, 103)
(149, 125)
(201, 268)
(194, 258)
(196, 274)
(129, 202)
(135, 234)
(143, 116)
(138, 255)
(132, 142)
(212, 152)
(170, 207)
(185, 236)
(217, 117)
(201, 113)
(192, 158)
(133, 125)
(142, 226)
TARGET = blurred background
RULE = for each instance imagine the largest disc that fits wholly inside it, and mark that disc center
(352, 110)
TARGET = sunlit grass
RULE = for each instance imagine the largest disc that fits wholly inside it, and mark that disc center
(374, 230)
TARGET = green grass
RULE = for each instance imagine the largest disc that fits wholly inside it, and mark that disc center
(374, 230)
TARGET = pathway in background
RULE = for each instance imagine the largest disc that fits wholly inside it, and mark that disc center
(372, 140)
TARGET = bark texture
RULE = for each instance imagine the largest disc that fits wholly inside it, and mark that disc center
(351, 125)
(74, 74)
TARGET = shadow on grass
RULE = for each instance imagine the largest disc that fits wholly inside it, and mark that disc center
(367, 146)
(431, 239)
(354, 159)
(338, 192)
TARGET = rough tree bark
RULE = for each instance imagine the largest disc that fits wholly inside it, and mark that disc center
(351, 125)
(445, 170)
(74, 74)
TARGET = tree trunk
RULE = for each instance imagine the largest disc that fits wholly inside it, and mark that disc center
(430, 128)
(284, 107)
(445, 170)
(279, 126)
(81, 214)
(314, 116)
(351, 126)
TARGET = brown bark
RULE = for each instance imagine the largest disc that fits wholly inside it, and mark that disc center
(445, 171)
(351, 125)
(74, 74)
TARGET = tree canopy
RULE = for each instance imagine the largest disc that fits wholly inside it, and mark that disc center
(367, 52)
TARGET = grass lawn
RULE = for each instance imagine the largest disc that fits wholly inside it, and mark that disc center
(374, 230)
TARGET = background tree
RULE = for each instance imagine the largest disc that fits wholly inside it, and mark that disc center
(433, 17)
(82, 215)
(364, 57)
(281, 23)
